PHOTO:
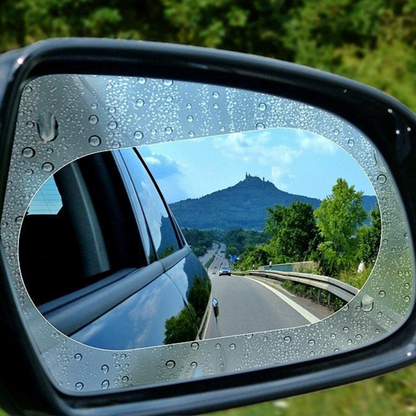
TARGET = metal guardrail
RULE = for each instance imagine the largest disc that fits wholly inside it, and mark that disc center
(340, 289)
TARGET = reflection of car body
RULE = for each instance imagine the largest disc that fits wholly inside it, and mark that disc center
(118, 270)
(225, 270)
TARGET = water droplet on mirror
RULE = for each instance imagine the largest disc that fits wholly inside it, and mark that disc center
(311, 342)
(93, 119)
(194, 364)
(168, 130)
(216, 106)
(141, 81)
(191, 134)
(28, 89)
(351, 143)
(194, 345)
(216, 94)
(345, 329)
(169, 99)
(287, 339)
(407, 298)
(105, 369)
(232, 346)
(115, 144)
(382, 293)
(367, 303)
(30, 124)
(78, 357)
(29, 172)
(262, 106)
(336, 132)
(188, 106)
(28, 152)
(111, 110)
(112, 125)
(140, 102)
(125, 378)
(217, 346)
(190, 119)
(260, 126)
(94, 106)
(94, 141)
(138, 135)
(47, 167)
(47, 127)
(170, 364)
(390, 111)
(105, 384)
(381, 178)
(79, 386)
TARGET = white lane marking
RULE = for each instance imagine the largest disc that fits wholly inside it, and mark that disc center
(306, 314)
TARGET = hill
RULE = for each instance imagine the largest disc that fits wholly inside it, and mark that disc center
(240, 206)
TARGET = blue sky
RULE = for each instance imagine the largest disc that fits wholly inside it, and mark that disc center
(295, 161)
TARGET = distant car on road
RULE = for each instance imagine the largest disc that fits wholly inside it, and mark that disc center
(225, 270)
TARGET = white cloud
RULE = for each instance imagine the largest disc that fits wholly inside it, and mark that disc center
(316, 143)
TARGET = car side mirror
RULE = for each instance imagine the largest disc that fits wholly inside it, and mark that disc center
(78, 113)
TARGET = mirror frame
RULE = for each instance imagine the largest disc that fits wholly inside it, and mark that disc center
(374, 113)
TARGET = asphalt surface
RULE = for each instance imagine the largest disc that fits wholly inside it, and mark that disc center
(248, 304)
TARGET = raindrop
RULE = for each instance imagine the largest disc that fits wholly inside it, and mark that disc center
(351, 143)
(28, 89)
(249, 336)
(382, 178)
(142, 81)
(382, 293)
(359, 336)
(138, 135)
(93, 119)
(140, 102)
(194, 364)
(232, 347)
(94, 141)
(111, 110)
(30, 124)
(28, 152)
(216, 94)
(115, 144)
(29, 172)
(112, 125)
(105, 384)
(94, 106)
(367, 303)
(260, 126)
(167, 82)
(188, 106)
(170, 364)
(216, 106)
(105, 369)
(125, 378)
(336, 132)
(332, 336)
(168, 130)
(287, 339)
(407, 298)
(49, 151)
(311, 342)
(169, 99)
(48, 167)
(191, 134)
(18, 220)
(190, 119)
(79, 386)
(78, 357)
(345, 329)
(194, 345)
(217, 346)
(407, 286)
(47, 127)
(262, 106)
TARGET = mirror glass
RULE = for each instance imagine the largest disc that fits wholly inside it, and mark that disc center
(263, 212)
(159, 230)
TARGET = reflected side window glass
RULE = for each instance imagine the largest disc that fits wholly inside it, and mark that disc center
(159, 222)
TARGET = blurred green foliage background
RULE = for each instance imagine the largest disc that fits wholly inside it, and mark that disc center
(372, 41)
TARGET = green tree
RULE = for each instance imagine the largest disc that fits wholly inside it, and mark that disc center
(254, 256)
(338, 219)
(293, 230)
(370, 239)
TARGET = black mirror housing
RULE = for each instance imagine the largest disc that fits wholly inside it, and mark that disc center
(25, 380)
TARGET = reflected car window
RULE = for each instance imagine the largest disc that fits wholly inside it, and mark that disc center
(159, 222)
